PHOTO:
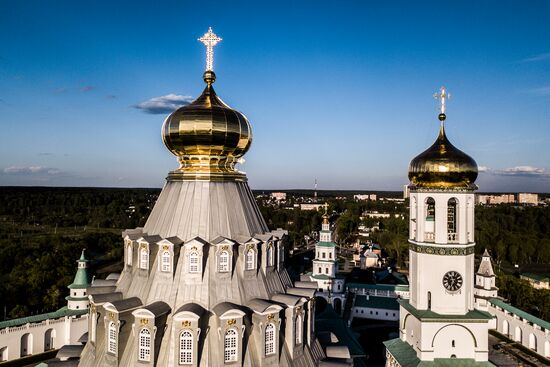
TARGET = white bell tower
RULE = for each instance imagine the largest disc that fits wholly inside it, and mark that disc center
(439, 320)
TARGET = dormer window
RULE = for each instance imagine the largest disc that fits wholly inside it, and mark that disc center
(230, 346)
(112, 338)
(269, 255)
(298, 329)
(144, 258)
(186, 348)
(194, 262)
(269, 339)
(223, 261)
(250, 258)
(144, 352)
(129, 254)
(165, 261)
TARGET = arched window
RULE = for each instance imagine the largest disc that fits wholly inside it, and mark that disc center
(250, 257)
(223, 262)
(451, 219)
(269, 339)
(194, 262)
(129, 255)
(230, 346)
(186, 347)
(429, 300)
(112, 338)
(429, 234)
(430, 209)
(144, 353)
(144, 258)
(165, 260)
(298, 329)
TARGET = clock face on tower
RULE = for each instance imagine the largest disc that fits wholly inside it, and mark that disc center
(452, 281)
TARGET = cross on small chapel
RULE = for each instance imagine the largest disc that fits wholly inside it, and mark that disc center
(442, 96)
(210, 39)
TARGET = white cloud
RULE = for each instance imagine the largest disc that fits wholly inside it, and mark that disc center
(524, 171)
(482, 169)
(164, 104)
(31, 170)
(540, 57)
(541, 91)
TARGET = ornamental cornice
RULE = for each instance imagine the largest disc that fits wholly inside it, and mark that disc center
(444, 251)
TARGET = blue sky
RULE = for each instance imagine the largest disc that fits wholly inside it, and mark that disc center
(338, 91)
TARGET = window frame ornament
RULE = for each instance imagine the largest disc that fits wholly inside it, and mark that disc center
(250, 259)
(270, 339)
(166, 261)
(144, 257)
(187, 349)
(112, 338)
(145, 341)
(194, 258)
(231, 345)
(224, 266)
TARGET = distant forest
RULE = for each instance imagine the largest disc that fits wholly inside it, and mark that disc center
(43, 230)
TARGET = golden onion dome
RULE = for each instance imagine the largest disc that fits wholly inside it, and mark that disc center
(207, 136)
(443, 166)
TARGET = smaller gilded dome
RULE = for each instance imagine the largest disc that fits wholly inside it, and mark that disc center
(207, 136)
(443, 166)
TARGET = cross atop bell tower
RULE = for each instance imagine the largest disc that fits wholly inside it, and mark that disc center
(442, 96)
(210, 39)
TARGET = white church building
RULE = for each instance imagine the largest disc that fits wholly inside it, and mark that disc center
(330, 286)
(36, 334)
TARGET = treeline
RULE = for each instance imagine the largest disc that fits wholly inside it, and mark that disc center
(36, 270)
(517, 235)
(69, 207)
(522, 295)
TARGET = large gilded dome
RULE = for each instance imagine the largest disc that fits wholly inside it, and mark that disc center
(207, 136)
(443, 166)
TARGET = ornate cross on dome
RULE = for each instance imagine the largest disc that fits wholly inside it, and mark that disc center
(210, 39)
(443, 96)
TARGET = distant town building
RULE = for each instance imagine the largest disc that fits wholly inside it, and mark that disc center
(310, 206)
(536, 280)
(528, 199)
(279, 196)
(365, 197)
(495, 199)
(406, 191)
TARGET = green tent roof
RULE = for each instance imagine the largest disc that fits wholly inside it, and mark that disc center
(326, 244)
(62, 312)
(538, 277)
(535, 320)
(82, 278)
